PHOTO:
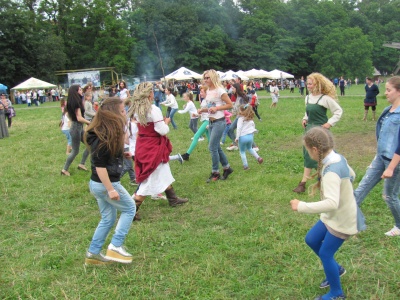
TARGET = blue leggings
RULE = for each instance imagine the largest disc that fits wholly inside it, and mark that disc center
(325, 245)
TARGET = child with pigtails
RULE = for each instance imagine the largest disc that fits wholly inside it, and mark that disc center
(245, 134)
(338, 208)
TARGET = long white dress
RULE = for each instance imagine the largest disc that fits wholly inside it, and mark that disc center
(161, 177)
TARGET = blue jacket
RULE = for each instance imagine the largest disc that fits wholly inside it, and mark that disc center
(387, 132)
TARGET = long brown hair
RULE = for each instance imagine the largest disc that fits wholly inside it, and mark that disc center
(109, 126)
(322, 139)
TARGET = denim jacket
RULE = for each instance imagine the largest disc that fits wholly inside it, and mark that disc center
(387, 130)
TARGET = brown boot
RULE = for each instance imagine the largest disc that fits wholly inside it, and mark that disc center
(301, 188)
(138, 203)
(173, 199)
(365, 115)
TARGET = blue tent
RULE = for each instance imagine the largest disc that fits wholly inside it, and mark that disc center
(3, 87)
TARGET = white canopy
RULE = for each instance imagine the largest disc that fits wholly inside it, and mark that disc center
(376, 72)
(278, 74)
(254, 73)
(33, 83)
(183, 74)
(232, 75)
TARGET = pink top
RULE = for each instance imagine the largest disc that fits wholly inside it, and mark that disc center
(227, 115)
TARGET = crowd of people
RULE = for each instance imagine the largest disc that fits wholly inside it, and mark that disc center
(127, 133)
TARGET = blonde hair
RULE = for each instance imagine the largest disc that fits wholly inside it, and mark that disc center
(141, 104)
(322, 139)
(323, 86)
(189, 95)
(246, 111)
(214, 77)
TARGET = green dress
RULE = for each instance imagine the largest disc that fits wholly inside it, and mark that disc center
(316, 117)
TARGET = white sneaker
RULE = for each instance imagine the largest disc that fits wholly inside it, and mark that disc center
(118, 254)
(192, 138)
(221, 143)
(232, 148)
(395, 231)
(201, 139)
(256, 149)
(159, 197)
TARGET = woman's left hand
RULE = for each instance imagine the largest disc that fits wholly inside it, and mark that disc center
(327, 125)
(294, 204)
(212, 110)
(113, 194)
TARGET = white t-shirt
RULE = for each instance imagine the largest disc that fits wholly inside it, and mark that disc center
(171, 102)
(132, 137)
(66, 122)
(191, 109)
(213, 99)
(245, 127)
(123, 94)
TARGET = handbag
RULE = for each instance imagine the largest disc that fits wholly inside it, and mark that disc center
(11, 112)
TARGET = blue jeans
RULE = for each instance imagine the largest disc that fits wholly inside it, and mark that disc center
(171, 115)
(231, 132)
(128, 167)
(216, 129)
(227, 127)
(76, 132)
(325, 245)
(108, 210)
(391, 186)
(245, 144)
(68, 136)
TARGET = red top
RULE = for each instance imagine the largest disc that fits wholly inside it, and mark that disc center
(151, 150)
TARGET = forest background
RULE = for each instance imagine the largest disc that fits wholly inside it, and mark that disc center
(338, 37)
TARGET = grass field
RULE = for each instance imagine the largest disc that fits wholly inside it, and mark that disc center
(235, 239)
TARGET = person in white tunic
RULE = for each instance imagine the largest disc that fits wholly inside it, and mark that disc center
(153, 148)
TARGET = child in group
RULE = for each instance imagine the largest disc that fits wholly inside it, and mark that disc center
(245, 134)
(228, 123)
(192, 110)
(254, 103)
(204, 126)
(338, 208)
(130, 145)
(89, 111)
(65, 125)
(274, 91)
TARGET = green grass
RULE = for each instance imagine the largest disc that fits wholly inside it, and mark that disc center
(235, 239)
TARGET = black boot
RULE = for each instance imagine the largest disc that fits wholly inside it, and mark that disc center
(185, 156)
(173, 199)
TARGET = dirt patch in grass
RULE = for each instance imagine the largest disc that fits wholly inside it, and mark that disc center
(356, 147)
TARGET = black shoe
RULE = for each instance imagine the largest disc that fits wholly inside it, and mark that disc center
(185, 156)
(226, 173)
(214, 177)
(325, 282)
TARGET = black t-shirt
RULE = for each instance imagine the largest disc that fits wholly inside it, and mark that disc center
(100, 158)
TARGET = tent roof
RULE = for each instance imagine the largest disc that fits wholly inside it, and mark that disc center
(254, 73)
(33, 83)
(232, 75)
(376, 72)
(278, 74)
(3, 87)
(183, 74)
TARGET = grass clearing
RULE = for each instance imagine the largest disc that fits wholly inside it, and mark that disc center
(235, 239)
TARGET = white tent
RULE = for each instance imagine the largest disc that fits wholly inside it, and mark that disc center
(232, 75)
(376, 72)
(278, 74)
(183, 74)
(33, 83)
(254, 73)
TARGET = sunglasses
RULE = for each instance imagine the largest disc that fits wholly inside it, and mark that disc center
(206, 78)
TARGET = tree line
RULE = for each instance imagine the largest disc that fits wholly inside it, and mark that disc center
(335, 37)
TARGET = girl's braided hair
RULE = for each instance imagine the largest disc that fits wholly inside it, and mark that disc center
(322, 139)
(141, 104)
